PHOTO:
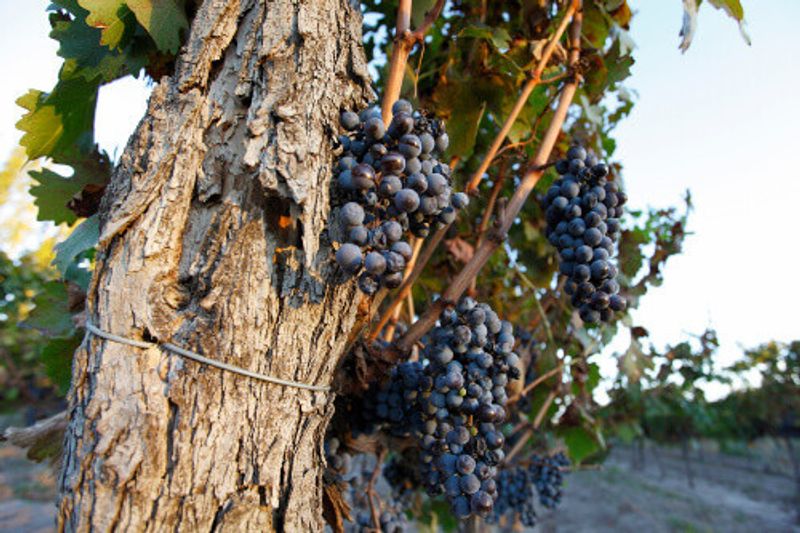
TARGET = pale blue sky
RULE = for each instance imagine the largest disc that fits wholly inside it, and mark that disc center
(720, 120)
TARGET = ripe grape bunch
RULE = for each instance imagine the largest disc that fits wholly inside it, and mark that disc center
(515, 488)
(583, 208)
(391, 183)
(462, 396)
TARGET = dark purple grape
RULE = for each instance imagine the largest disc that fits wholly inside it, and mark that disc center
(351, 214)
(392, 280)
(363, 176)
(442, 142)
(401, 124)
(410, 145)
(404, 249)
(460, 200)
(374, 128)
(617, 302)
(349, 120)
(393, 163)
(402, 106)
(358, 235)
(393, 231)
(576, 152)
(349, 258)
(406, 200)
(375, 263)
(389, 186)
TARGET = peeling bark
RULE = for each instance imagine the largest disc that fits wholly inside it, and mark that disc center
(213, 238)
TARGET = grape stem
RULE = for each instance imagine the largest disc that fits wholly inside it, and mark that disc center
(408, 282)
(529, 432)
(404, 41)
(462, 280)
(373, 509)
(536, 382)
(487, 214)
(389, 320)
(542, 314)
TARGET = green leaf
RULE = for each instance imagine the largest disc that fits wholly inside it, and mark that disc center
(163, 19)
(618, 65)
(53, 192)
(83, 238)
(419, 10)
(56, 356)
(499, 36)
(111, 17)
(626, 432)
(51, 315)
(81, 43)
(59, 124)
(580, 443)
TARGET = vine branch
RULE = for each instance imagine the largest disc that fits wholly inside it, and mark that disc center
(528, 182)
(404, 41)
(393, 91)
(530, 85)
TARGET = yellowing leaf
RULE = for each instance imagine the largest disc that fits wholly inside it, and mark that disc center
(110, 16)
(163, 19)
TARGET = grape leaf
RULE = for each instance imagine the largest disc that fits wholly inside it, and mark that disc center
(732, 7)
(51, 315)
(81, 43)
(57, 358)
(580, 443)
(499, 37)
(59, 124)
(52, 191)
(81, 239)
(163, 19)
(111, 17)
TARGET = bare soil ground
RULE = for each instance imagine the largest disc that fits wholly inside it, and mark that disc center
(620, 498)
(652, 499)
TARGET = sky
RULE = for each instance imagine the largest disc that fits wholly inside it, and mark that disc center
(720, 120)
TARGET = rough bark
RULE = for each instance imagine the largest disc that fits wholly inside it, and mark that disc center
(214, 238)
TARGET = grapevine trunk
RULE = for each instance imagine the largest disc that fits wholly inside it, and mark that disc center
(213, 238)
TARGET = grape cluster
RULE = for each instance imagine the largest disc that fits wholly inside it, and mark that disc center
(338, 462)
(583, 209)
(515, 488)
(549, 478)
(390, 183)
(393, 405)
(462, 395)
(392, 520)
(401, 472)
(515, 496)
(349, 474)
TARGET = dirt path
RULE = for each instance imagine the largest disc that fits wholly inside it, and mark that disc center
(622, 499)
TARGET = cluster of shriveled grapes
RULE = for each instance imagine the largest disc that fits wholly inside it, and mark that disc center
(390, 184)
(340, 470)
(518, 486)
(391, 520)
(583, 209)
